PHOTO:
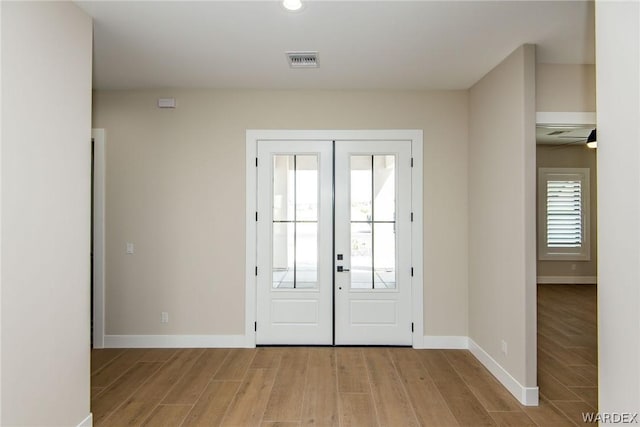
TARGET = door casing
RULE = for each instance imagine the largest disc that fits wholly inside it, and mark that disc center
(255, 135)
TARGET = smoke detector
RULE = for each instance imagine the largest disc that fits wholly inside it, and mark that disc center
(303, 59)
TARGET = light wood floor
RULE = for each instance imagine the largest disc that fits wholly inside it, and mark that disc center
(568, 348)
(295, 386)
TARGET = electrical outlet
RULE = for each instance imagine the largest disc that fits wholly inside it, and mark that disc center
(130, 248)
(504, 347)
(164, 317)
(573, 267)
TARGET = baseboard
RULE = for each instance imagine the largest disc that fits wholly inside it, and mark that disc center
(87, 422)
(174, 341)
(445, 342)
(567, 280)
(528, 396)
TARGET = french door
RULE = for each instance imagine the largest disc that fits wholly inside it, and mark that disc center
(334, 242)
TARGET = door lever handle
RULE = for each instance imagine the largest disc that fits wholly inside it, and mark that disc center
(341, 269)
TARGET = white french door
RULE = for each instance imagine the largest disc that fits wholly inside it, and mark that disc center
(295, 222)
(325, 282)
(373, 242)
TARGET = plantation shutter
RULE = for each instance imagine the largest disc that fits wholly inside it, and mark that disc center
(564, 214)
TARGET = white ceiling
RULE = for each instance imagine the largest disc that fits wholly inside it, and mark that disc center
(361, 44)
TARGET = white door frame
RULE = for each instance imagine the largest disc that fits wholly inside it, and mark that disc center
(99, 177)
(255, 135)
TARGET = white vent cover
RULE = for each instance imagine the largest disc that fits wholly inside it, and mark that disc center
(303, 59)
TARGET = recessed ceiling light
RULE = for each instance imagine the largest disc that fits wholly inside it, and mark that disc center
(292, 4)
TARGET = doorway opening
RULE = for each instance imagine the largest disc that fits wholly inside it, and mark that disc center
(567, 341)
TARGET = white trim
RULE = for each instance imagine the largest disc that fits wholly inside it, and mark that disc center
(567, 280)
(565, 118)
(251, 254)
(528, 396)
(175, 341)
(99, 179)
(434, 342)
(87, 422)
(417, 257)
(254, 135)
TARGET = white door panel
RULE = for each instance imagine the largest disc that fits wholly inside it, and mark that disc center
(294, 295)
(373, 238)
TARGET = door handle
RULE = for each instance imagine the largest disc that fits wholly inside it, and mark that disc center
(341, 269)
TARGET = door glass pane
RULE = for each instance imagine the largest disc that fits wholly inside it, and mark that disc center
(283, 188)
(283, 255)
(384, 259)
(384, 188)
(373, 215)
(306, 255)
(295, 221)
(361, 207)
(361, 256)
(306, 188)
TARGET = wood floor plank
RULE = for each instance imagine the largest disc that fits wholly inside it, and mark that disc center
(429, 405)
(587, 371)
(138, 407)
(235, 365)
(357, 410)
(486, 388)
(191, 385)
(588, 354)
(247, 408)
(167, 416)
(285, 401)
(564, 355)
(567, 375)
(574, 410)
(320, 404)
(512, 419)
(121, 389)
(95, 391)
(392, 402)
(267, 357)
(588, 394)
(158, 354)
(545, 414)
(352, 373)
(102, 357)
(111, 372)
(211, 407)
(279, 424)
(466, 408)
(553, 389)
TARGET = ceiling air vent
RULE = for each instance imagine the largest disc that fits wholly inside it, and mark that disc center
(303, 59)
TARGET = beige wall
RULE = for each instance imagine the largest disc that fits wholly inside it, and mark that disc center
(502, 214)
(175, 188)
(565, 87)
(575, 156)
(46, 117)
(618, 53)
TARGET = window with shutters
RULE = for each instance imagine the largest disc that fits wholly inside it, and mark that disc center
(563, 219)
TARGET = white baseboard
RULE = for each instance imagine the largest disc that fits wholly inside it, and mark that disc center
(444, 342)
(174, 341)
(528, 396)
(567, 280)
(87, 422)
